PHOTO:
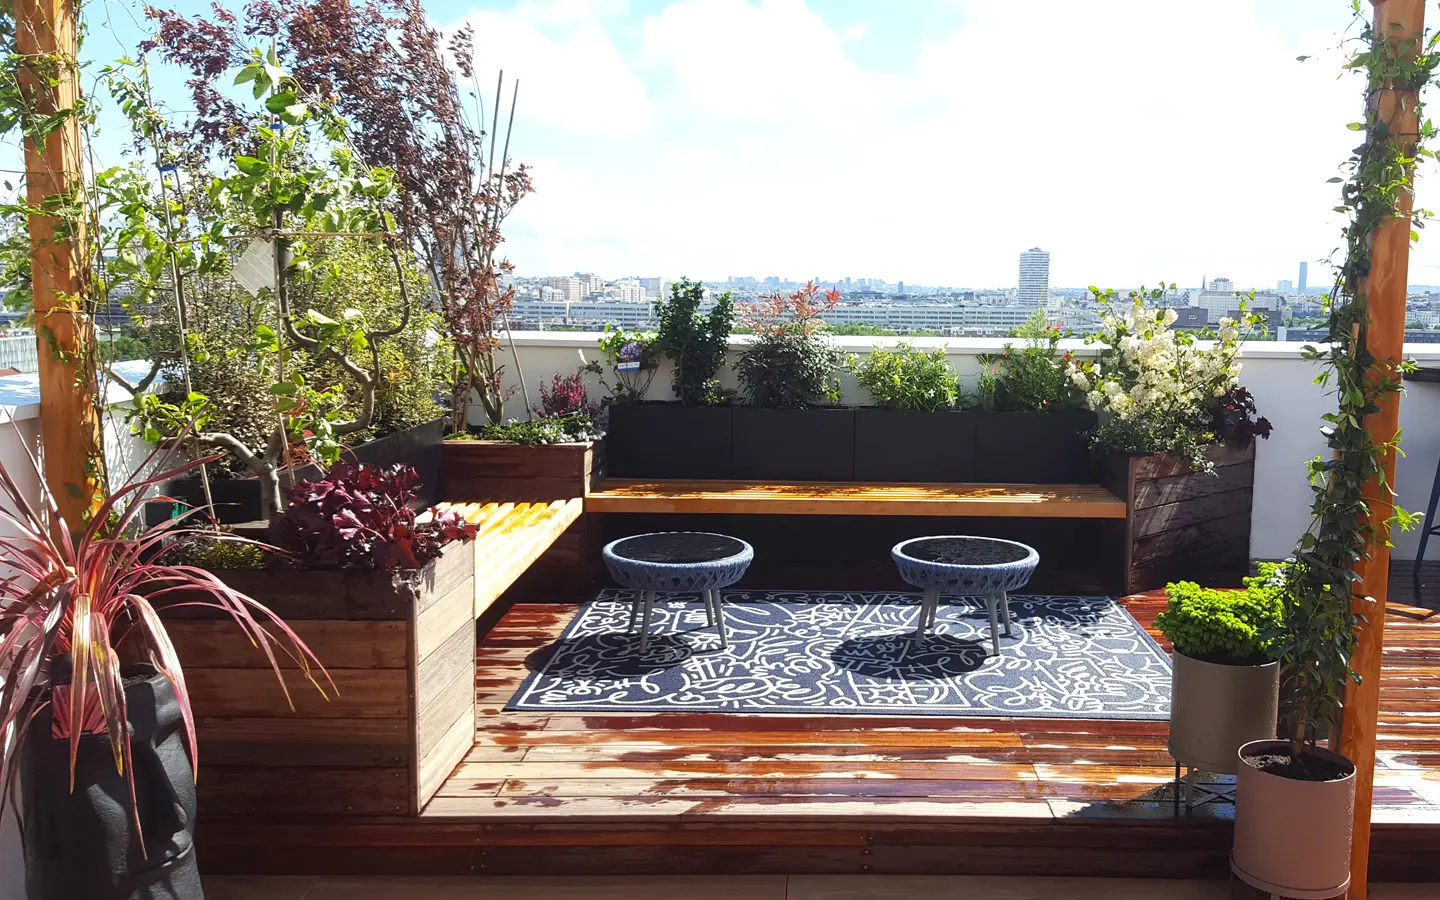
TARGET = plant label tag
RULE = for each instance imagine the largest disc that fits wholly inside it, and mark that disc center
(624, 366)
(255, 269)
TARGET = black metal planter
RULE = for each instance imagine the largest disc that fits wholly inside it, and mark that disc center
(794, 444)
(905, 445)
(1034, 447)
(84, 843)
(669, 440)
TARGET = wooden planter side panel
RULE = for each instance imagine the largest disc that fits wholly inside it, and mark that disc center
(353, 750)
(489, 470)
(442, 681)
(1182, 525)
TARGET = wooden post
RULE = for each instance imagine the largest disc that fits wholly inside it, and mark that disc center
(1403, 23)
(69, 421)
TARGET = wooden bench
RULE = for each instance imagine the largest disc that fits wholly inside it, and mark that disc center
(512, 536)
(809, 498)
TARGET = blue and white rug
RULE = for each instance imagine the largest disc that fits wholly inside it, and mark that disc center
(848, 652)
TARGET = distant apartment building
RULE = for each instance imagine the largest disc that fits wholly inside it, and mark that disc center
(906, 317)
(1188, 317)
(654, 287)
(1034, 287)
(1304, 274)
(1285, 286)
(528, 313)
(627, 290)
(590, 283)
(569, 288)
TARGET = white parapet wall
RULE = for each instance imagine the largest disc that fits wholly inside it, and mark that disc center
(1276, 373)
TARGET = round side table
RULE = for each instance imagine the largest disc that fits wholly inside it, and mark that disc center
(961, 565)
(677, 561)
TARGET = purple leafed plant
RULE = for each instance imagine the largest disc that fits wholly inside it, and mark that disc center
(1235, 421)
(565, 396)
(68, 601)
(360, 516)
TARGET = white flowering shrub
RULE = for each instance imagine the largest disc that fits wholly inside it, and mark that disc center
(1162, 389)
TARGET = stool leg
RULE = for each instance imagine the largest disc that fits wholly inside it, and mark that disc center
(934, 610)
(648, 598)
(1005, 608)
(637, 598)
(1427, 526)
(719, 617)
(927, 601)
(992, 601)
(709, 607)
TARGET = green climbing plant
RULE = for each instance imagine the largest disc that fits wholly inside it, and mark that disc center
(1318, 632)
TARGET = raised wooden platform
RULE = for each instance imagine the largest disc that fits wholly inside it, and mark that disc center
(722, 793)
(813, 498)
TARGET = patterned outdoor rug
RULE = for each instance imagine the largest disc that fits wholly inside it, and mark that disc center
(848, 652)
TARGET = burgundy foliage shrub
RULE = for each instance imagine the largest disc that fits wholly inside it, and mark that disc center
(1235, 421)
(565, 396)
(359, 516)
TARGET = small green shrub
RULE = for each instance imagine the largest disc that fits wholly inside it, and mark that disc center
(790, 364)
(1225, 626)
(214, 554)
(909, 378)
(1033, 378)
(695, 343)
(572, 429)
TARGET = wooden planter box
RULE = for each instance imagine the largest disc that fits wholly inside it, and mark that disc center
(400, 647)
(1184, 526)
(493, 470)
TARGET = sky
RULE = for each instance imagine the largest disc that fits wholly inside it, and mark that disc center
(929, 141)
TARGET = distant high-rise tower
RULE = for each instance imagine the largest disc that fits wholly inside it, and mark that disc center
(1304, 272)
(1034, 278)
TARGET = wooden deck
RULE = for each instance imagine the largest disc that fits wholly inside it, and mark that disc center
(570, 793)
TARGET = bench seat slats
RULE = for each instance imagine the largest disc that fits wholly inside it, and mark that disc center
(512, 537)
(1048, 501)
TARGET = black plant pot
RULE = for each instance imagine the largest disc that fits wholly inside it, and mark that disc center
(794, 444)
(237, 500)
(83, 843)
(668, 440)
(903, 445)
(1034, 447)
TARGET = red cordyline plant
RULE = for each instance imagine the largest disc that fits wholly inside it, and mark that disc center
(82, 595)
(797, 312)
(403, 92)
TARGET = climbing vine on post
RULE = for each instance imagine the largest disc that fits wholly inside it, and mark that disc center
(1319, 632)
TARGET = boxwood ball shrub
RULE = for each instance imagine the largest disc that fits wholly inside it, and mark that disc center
(908, 378)
(1230, 627)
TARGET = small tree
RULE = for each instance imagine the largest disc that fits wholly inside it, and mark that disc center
(695, 343)
(385, 69)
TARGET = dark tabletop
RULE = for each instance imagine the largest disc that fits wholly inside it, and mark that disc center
(678, 548)
(966, 551)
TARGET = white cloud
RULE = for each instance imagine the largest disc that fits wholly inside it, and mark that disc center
(855, 32)
(571, 75)
(1134, 140)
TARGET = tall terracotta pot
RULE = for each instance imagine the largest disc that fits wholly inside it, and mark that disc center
(1214, 709)
(1292, 837)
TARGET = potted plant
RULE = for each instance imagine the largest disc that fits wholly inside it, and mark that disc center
(914, 432)
(1225, 684)
(104, 737)
(558, 454)
(387, 593)
(1031, 425)
(691, 438)
(1178, 435)
(790, 426)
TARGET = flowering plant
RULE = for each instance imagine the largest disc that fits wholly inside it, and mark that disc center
(565, 396)
(1163, 390)
(631, 359)
(1033, 378)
